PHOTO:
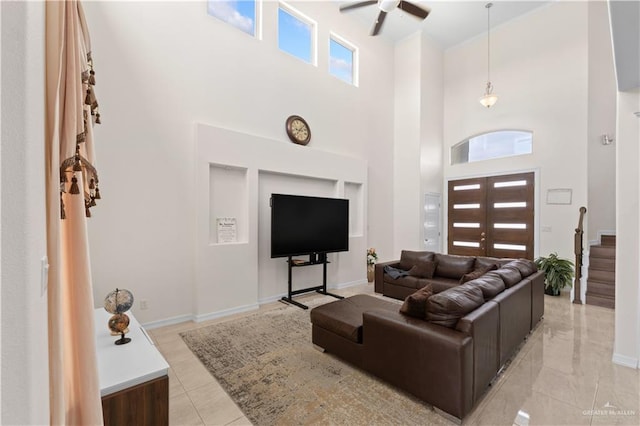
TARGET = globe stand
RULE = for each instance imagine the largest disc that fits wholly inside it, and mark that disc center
(122, 340)
(118, 302)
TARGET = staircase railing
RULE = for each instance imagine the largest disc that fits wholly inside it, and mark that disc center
(577, 248)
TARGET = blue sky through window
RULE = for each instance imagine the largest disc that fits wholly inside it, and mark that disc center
(239, 13)
(340, 61)
(294, 36)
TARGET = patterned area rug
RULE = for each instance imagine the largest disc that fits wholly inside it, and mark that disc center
(268, 366)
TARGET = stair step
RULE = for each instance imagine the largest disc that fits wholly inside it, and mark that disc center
(602, 276)
(607, 252)
(602, 264)
(608, 240)
(600, 288)
(605, 302)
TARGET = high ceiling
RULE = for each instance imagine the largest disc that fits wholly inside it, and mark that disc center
(450, 21)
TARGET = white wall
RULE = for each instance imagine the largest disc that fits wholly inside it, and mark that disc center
(406, 154)
(539, 68)
(418, 135)
(237, 276)
(163, 66)
(431, 122)
(626, 349)
(24, 370)
(601, 208)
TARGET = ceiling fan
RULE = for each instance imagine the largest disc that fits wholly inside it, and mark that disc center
(385, 7)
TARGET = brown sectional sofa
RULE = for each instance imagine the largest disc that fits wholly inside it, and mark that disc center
(449, 357)
(449, 270)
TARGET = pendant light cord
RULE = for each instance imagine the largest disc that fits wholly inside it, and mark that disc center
(488, 6)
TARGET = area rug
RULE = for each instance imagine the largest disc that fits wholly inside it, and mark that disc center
(268, 366)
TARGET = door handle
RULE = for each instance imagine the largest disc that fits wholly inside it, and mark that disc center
(481, 239)
(482, 234)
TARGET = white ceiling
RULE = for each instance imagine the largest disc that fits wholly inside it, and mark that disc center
(450, 22)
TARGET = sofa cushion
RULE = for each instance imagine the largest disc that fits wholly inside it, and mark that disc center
(423, 269)
(477, 273)
(525, 266)
(344, 317)
(447, 307)
(452, 266)
(491, 285)
(409, 258)
(408, 281)
(439, 284)
(485, 262)
(415, 304)
(511, 276)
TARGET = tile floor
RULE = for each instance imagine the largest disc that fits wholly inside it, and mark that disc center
(562, 375)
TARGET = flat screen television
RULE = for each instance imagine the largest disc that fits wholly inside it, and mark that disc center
(308, 225)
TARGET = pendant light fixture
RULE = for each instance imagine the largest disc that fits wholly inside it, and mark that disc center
(489, 99)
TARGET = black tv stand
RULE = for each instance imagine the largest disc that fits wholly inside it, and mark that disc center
(314, 259)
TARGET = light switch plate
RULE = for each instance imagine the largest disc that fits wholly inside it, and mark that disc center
(44, 277)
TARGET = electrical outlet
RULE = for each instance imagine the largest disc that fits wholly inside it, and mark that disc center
(144, 304)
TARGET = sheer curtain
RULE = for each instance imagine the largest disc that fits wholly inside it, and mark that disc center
(71, 182)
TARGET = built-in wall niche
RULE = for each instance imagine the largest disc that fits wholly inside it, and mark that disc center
(228, 204)
(272, 273)
(353, 193)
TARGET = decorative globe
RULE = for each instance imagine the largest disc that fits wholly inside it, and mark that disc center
(119, 323)
(118, 301)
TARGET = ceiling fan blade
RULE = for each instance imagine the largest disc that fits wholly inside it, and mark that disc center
(357, 4)
(413, 9)
(378, 25)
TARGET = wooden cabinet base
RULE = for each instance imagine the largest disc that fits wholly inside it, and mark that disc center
(144, 404)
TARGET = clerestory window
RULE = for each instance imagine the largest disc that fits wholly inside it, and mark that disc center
(238, 13)
(342, 60)
(296, 34)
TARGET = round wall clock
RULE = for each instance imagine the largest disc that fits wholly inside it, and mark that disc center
(298, 130)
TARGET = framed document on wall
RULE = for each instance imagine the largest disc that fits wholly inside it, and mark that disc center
(227, 232)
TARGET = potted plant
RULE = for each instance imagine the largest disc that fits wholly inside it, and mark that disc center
(558, 273)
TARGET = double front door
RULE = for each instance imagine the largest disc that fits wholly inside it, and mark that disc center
(492, 216)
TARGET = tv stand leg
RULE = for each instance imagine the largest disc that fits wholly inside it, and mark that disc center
(293, 302)
(326, 293)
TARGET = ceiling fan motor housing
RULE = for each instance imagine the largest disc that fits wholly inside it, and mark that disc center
(388, 5)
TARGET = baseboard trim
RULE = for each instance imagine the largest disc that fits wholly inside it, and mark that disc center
(272, 299)
(349, 284)
(625, 361)
(226, 312)
(168, 321)
(340, 286)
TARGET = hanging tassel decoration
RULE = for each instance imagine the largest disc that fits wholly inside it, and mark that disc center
(75, 189)
(92, 203)
(92, 184)
(77, 166)
(87, 99)
(92, 77)
(87, 212)
(97, 196)
(98, 118)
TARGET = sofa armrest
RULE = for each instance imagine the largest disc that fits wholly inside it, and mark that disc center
(537, 297)
(483, 326)
(432, 362)
(379, 273)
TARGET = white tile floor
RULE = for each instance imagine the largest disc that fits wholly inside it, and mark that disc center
(563, 375)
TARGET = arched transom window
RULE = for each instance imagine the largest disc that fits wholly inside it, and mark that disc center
(498, 144)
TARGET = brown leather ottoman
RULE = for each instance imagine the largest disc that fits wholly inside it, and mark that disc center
(337, 326)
